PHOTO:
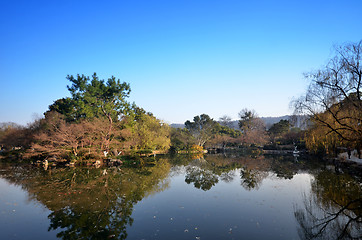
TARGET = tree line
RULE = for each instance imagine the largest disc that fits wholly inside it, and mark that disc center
(97, 121)
(205, 133)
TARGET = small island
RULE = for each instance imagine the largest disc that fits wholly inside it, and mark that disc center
(96, 125)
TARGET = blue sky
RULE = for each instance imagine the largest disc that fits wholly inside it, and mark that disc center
(181, 58)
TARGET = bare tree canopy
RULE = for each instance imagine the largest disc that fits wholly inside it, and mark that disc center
(252, 128)
(225, 121)
(333, 98)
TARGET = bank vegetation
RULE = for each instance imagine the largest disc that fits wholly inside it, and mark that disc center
(97, 122)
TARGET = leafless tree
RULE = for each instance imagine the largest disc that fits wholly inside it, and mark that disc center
(333, 98)
(252, 128)
(334, 221)
(226, 121)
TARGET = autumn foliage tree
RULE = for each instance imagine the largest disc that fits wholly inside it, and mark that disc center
(148, 132)
(97, 122)
(13, 136)
(252, 128)
(333, 99)
(223, 136)
(94, 98)
(57, 137)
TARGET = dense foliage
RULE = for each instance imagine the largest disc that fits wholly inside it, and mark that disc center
(207, 133)
(95, 122)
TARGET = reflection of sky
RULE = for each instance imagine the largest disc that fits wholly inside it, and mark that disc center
(226, 210)
(21, 218)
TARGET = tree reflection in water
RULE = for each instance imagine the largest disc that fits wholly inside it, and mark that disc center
(227, 176)
(251, 178)
(199, 172)
(202, 179)
(91, 203)
(205, 172)
(333, 210)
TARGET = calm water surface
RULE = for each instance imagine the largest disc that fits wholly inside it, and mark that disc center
(214, 197)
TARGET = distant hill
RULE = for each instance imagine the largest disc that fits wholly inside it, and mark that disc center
(299, 121)
(4, 125)
(269, 121)
(177, 125)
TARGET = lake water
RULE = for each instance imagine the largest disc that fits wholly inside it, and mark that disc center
(182, 197)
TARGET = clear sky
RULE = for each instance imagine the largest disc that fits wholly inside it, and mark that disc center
(181, 57)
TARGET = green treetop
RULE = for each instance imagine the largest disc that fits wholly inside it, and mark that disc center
(92, 97)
